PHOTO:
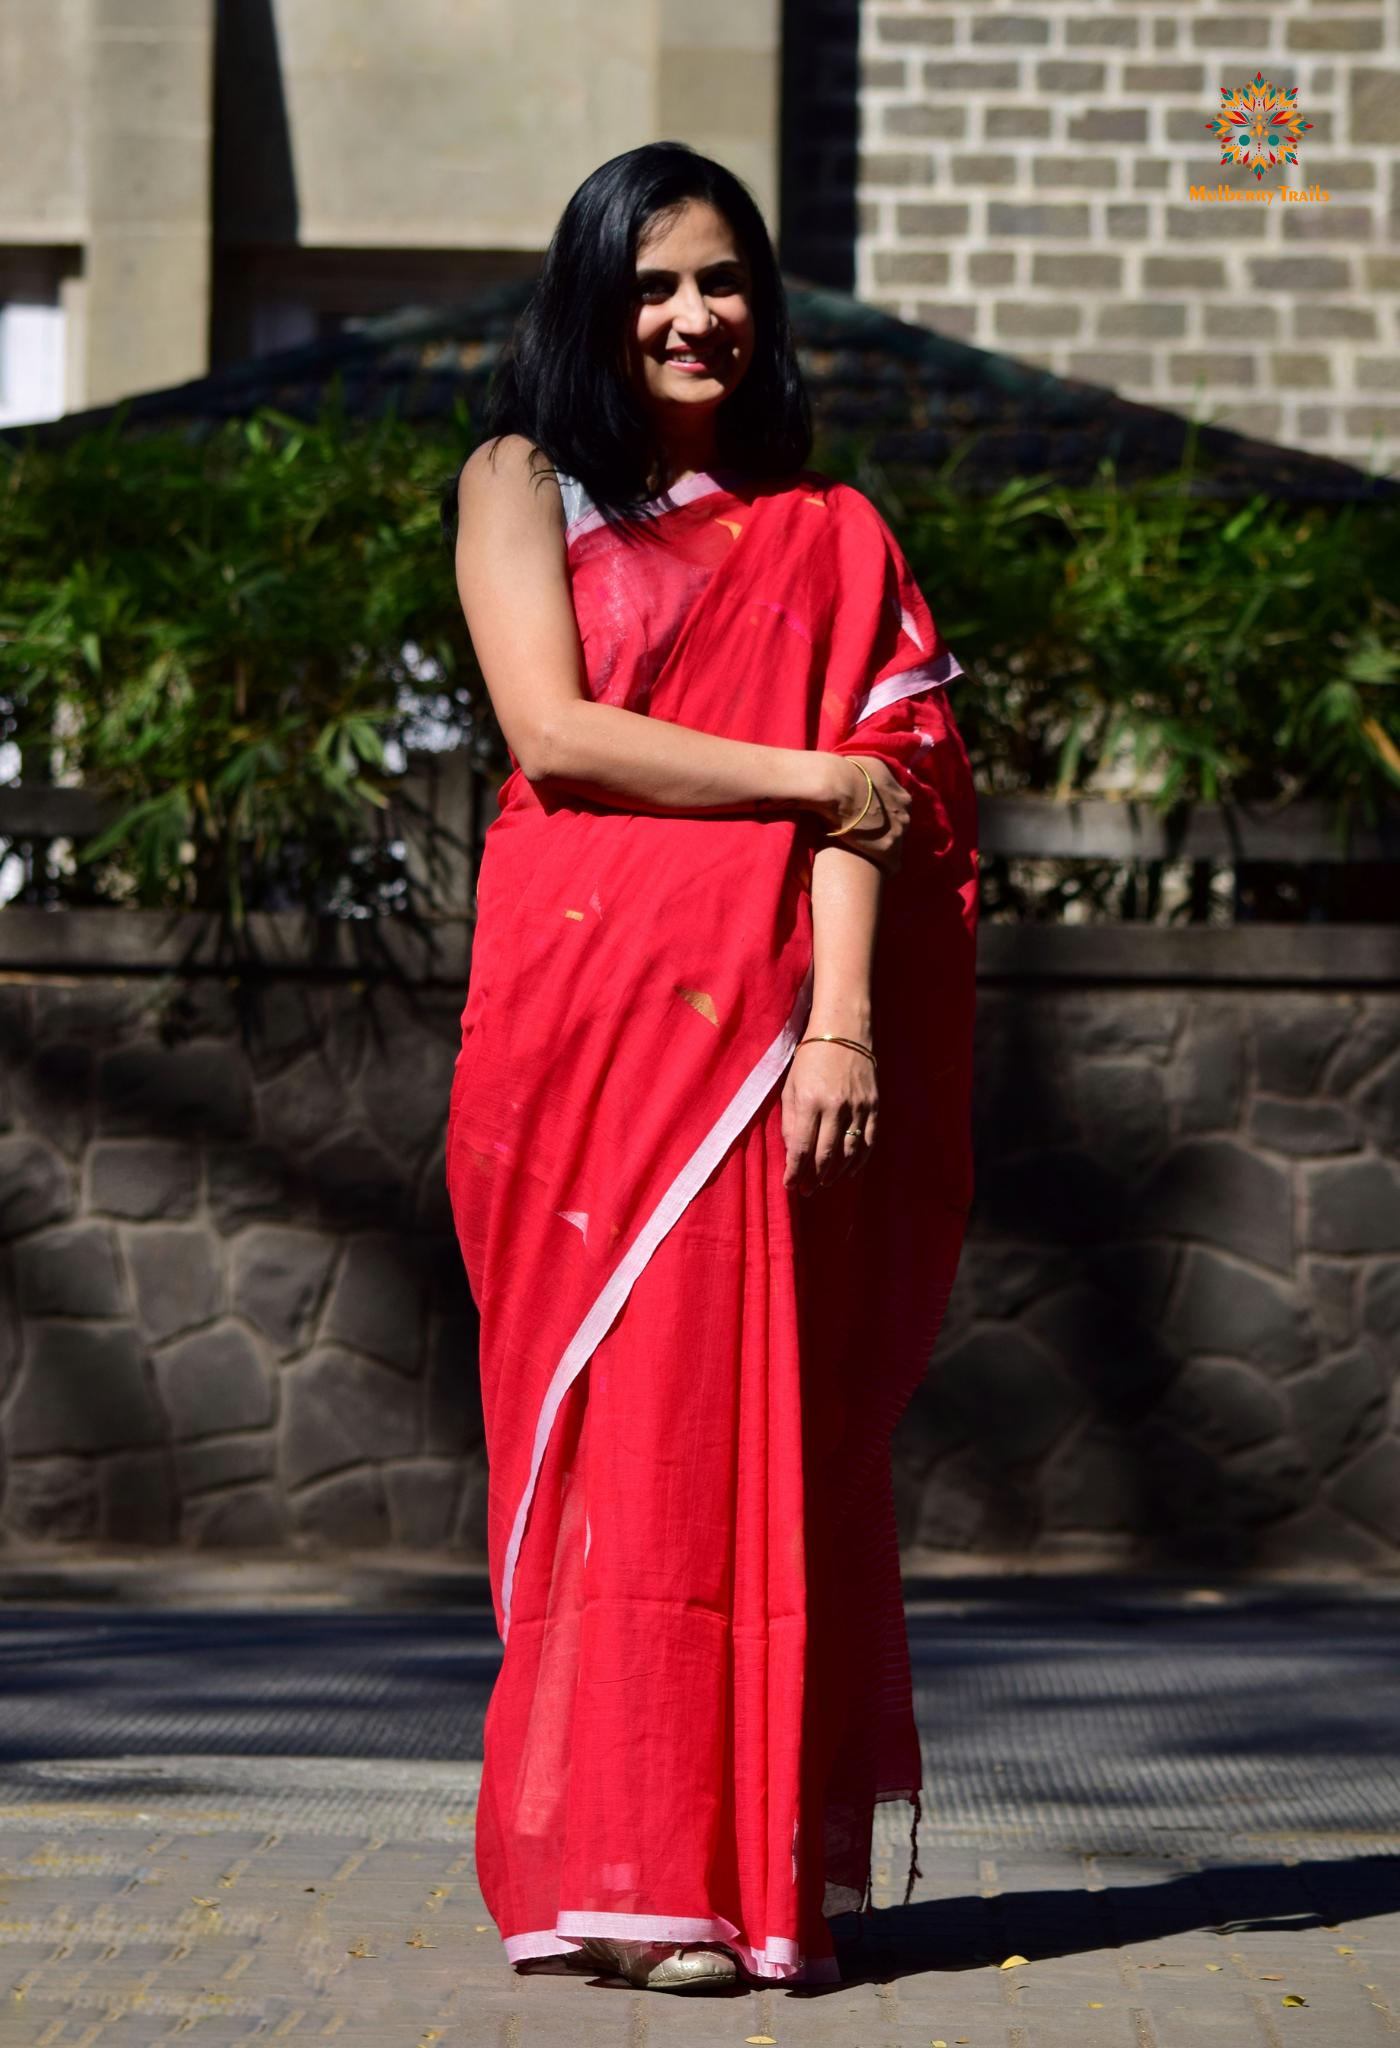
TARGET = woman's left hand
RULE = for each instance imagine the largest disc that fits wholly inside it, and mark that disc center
(830, 1107)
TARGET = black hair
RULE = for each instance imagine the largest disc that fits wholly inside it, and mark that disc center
(565, 382)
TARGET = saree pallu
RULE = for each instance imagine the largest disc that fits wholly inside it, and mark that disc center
(690, 1378)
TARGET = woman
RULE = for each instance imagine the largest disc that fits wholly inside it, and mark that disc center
(722, 692)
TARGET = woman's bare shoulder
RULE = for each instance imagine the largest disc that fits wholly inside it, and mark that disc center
(513, 477)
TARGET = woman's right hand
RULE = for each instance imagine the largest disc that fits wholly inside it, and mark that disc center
(880, 833)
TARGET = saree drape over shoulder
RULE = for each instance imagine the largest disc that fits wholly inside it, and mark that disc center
(689, 1378)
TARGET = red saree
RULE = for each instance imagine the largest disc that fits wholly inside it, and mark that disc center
(690, 1379)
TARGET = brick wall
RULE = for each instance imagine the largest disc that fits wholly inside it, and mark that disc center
(1024, 184)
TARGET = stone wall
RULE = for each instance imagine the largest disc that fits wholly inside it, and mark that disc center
(1176, 1329)
(234, 1310)
(234, 1313)
(1025, 184)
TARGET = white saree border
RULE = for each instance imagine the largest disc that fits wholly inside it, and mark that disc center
(667, 1213)
(911, 682)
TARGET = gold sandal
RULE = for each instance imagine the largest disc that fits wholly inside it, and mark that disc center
(661, 1966)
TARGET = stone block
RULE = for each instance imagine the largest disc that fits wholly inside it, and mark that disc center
(1374, 1038)
(1341, 34)
(1071, 273)
(1353, 1208)
(1120, 1361)
(454, 1418)
(83, 1387)
(1061, 1197)
(1022, 1093)
(1226, 1309)
(1010, 124)
(16, 1023)
(177, 1278)
(1089, 173)
(1241, 323)
(894, 167)
(1111, 367)
(1156, 321)
(921, 123)
(138, 1499)
(1115, 1024)
(1183, 1481)
(301, 1106)
(100, 1012)
(967, 1505)
(912, 266)
(1331, 1287)
(197, 1090)
(1377, 373)
(929, 221)
(34, 1186)
(339, 1409)
(1002, 76)
(1123, 1113)
(913, 28)
(1000, 1389)
(1207, 1080)
(1307, 1130)
(250, 1518)
(1176, 78)
(1338, 1406)
(377, 1304)
(1011, 28)
(1139, 1276)
(355, 1182)
(224, 1460)
(52, 1500)
(1223, 1406)
(248, 1183)
(424, 1499)
(1183, 273)
(470, 1536)
(1301, 372)
(1298, 274)
(278, 1280)
(1093, 1481)
(1260, 1485)
(1231, 32)
(1369, 1490)
(214, 1381)
(1380, 1302)
(69, 1272)
(984, 168)
(1216, 223)
(1151, 174)
(1378, 1107)
(433, 1207)
(1315, 1539)
(55, 1092)
(1383, 273)
(1355, 176)
(958, 321)
(1036, 322)
(1041, 217)
(285, 1022)
(143, 1181)
(1328, 223)
(1068, 75)
(1004, 1277)
(1084, 31)
(1128, 223)
(1210, 366)
(345, 1014)
(347, 1512)
(1210, 1188)
(405, 1088)
(1364, 422)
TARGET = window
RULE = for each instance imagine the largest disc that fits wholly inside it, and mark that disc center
(33, 363)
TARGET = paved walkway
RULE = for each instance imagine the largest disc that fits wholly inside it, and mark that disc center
(1180, 1808)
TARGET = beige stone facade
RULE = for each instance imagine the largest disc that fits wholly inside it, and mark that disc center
(183, 182)
(1025, 183)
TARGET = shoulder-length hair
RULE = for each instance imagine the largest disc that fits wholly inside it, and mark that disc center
(565, 383)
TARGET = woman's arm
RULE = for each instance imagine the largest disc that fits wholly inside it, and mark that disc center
(512, 575)
(831, 1091)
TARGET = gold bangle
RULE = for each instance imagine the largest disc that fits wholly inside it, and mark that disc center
(832, 1038)
(842, 830)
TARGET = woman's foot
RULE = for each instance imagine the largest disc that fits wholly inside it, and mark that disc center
(659, 1966)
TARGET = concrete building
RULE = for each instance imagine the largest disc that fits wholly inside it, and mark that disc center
(187, 182)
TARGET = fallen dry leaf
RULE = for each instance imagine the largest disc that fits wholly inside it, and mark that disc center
(1346, 1951)
(768, 2040)
(1013, 1963)
(1292, 1998)
(365, 1954)
(417, 1941)
(1266, 1978)
(1215, 1966)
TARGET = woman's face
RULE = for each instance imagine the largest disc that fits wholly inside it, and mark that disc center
(692, 326)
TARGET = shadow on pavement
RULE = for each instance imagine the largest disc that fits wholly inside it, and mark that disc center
(968, 1933)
